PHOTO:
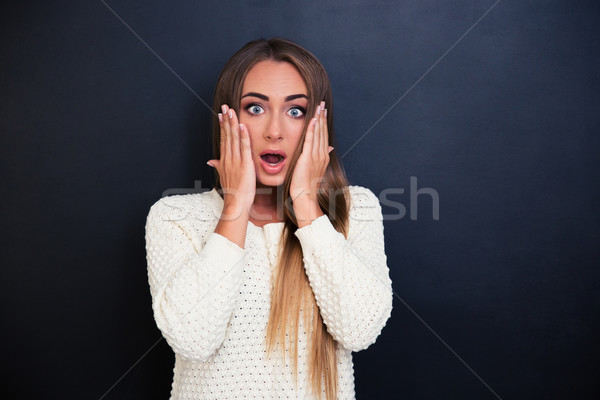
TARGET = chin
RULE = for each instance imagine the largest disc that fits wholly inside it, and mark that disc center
(271, 181)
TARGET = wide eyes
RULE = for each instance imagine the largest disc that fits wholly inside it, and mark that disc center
(296, 112)
(257, 109)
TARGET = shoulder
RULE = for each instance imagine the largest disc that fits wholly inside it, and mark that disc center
(362, 199)
(185, 206)
(364, 210)
(357, 192)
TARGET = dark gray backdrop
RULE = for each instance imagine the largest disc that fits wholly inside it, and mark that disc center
(497, 299)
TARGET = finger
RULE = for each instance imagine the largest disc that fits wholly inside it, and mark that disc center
(216, 164)
(235, 134)
(323, 133)
(315, 139)
(226, 134)
(221, 135)
(308, 139)
(245, 149)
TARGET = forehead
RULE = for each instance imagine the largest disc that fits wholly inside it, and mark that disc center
(274, 79)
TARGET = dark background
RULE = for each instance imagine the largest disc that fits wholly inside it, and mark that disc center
(504, 128)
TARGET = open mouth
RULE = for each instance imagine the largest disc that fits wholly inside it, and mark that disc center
(272, 159)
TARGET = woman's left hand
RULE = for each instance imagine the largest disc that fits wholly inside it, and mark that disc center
(310, 169)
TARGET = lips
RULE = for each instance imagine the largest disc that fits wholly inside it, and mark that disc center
(273, 156)
(272, 160)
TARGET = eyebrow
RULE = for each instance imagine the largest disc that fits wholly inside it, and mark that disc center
(266, 98)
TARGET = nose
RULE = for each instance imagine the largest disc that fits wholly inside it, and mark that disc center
(273, 132)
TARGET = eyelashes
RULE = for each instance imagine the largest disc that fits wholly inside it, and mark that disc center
(299, 112)
(255, 109)
(295, 112)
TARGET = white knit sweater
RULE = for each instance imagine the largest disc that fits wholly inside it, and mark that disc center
(211, 298)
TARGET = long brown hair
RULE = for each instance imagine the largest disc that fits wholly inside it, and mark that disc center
(291, 294)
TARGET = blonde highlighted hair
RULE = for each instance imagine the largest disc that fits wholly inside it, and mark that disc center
(291, 294)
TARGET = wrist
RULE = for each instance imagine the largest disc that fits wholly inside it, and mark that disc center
(233, 211)
(306, 212)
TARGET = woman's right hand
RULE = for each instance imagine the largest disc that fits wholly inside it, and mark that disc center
(236, 168)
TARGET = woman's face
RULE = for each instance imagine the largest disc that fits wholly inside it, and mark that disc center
(273, 109)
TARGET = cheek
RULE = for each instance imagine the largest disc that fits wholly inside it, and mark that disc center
(294, 130)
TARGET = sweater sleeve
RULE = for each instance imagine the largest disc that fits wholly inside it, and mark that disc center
(194, 286)
(350, 277)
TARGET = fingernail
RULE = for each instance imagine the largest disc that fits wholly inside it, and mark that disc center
(220, 117)
(224, 109)
(319, 110)
(330, 149)
(230, 113)
(325, 113)
(241, 127)
(208, 162)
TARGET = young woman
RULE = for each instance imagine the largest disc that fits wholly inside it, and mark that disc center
(264, 285)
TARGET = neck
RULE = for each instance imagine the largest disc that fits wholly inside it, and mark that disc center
(266, 196)
(266, 202)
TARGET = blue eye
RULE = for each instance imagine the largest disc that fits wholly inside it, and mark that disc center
(296, 112)
(255, 109)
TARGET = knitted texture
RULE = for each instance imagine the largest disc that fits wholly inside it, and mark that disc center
(211, 298)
